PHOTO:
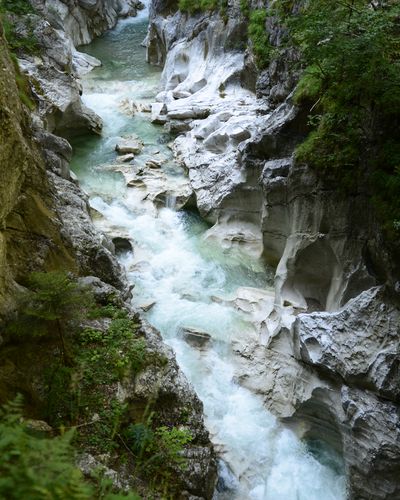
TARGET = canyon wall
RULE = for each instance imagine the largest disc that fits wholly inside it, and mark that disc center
(45, 225)
(327, 358)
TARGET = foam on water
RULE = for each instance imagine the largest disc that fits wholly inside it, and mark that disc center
(173, 266)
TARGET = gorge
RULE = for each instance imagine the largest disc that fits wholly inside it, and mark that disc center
(274, 289)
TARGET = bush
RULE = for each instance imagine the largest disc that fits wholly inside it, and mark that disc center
(52, 305)
(259, 37)
(351, 84)
(159, 452)
(19, 7)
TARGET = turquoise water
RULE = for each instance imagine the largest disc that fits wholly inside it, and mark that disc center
(193, 284)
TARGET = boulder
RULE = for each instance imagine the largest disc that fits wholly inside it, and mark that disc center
(195, 338)
(359, 343)
(122, 245)
(129, 145)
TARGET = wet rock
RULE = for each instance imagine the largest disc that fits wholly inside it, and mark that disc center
(153, 163)
(147, 306)
(180, 94)
(159, 113)
(122, 245)
(83, 63)
(172, 199)
(126, 158)
(195, 338)
(359, 343)
(136, 183)
(129, 145)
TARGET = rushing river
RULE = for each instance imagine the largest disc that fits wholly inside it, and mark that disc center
(175, 267)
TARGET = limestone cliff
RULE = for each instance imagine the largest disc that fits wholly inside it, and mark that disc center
(29, 224)
(45, 225)
(331, 374)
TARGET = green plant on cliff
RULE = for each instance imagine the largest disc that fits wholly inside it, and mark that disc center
(19, 7)
(18, 26)
(351, 84)
(192, 6)
(159, 451)
(259, 37)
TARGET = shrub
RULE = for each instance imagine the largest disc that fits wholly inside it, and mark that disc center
(259, 37)
(159, 452)
(40, 468)
(351, 84)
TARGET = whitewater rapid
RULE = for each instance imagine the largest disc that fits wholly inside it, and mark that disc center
(191, 282)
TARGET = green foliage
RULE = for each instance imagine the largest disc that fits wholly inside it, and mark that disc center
(159, 451)
(110, 355)
(35, 467)
(41, 468)
(192, 6)
(104, 348)
(19, 7)
(245, 7)
(56, 295)
(351, 52)
(108, 311)
(101, 358)
(22, 39)
(24, 89)
(259, 37)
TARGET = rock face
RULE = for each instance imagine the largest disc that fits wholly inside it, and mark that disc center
(326, 356)
(359, 343)
(54, 69)
(44, 216)
(84, 20)
(45, 224)
(209, 94)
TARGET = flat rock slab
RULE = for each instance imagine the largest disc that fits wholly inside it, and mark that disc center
(146, 306)
(195, 338)
(129, 145)
(126, 158)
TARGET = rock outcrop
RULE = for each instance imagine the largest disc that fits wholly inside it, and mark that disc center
(327, 354)
(54, 67)
(45, 221)
(84, 20)
(45, 224)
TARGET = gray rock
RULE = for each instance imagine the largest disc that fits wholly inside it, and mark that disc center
(359, 343)
(122, 245)
(129, 145)
(195, 338)
(126, 158)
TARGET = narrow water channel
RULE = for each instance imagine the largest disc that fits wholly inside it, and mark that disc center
(190, 281)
